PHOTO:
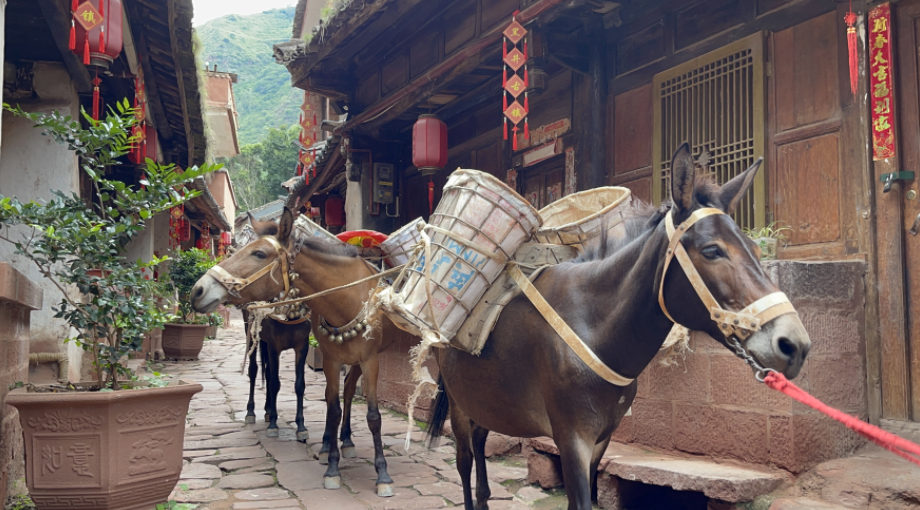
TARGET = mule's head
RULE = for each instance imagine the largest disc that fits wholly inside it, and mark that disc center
(259, 269)
(727, 266)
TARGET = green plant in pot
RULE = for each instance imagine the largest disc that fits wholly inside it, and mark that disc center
(767, 239)
(112, 442)
(183, 336)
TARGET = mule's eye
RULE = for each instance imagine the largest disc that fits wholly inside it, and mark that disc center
(259, 254)
(713, 252)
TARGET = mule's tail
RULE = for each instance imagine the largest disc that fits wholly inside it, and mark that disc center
(263, 361)
(438, 416)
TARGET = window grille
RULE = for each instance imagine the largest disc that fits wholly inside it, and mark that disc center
(716, 103)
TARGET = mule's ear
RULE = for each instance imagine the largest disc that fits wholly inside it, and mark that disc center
(285, 226)
(734, 190)
(683, 174)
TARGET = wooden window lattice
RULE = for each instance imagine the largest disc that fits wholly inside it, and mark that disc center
(716, 103)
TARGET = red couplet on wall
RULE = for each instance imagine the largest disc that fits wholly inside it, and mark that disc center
(335, 212)
(429, 144)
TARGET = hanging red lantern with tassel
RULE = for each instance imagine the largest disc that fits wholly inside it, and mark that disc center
(850, 19)
(515, 85)
(429, 144)
(97, 25)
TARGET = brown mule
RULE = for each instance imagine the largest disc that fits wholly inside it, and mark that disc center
(321, 266)
(537, 386)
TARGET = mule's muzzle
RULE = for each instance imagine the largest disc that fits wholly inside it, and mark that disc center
(781, 345)
(207, 294)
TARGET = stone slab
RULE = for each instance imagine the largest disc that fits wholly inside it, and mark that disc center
(300, 476)
(219, 443)
(805, 504)
(530, 495)
(266, 505)
(200, 470)
(247, 481)
(262, 494)
(719, 481)
(321, 499)
(199, 496)
(233, 465)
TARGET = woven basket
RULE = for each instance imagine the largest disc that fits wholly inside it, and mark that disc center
(476, 228)
(315, 230)
(576, 218)
(398, 247)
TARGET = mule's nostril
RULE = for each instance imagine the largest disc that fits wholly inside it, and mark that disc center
(786, 347)
(197, 291)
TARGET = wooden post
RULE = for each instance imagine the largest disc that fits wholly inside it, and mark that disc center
(589, 111)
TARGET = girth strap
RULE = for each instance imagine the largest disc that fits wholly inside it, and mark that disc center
(565, 332)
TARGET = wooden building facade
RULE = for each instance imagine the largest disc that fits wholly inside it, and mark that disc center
(614, 88)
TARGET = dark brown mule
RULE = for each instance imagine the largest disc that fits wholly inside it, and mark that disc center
(321, 266)
(536, 385)
(276, 337)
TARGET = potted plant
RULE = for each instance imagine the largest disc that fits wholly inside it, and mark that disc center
(183, 335)
(215, 320)
(114, 442)
(767, 238)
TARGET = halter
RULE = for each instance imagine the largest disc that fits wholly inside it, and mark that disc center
(234, 285)
(739, 325)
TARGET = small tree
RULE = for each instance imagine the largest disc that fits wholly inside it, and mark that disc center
(66, 238)
(185, 269)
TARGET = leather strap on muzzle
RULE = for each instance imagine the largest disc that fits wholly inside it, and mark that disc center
(740, 324)
(234, 285)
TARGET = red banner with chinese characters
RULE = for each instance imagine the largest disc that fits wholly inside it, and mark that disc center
(881, 82)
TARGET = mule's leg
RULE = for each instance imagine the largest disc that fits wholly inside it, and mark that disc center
(263, 355)
(351, 385)
(576, 454)
(253, 374)
(299, 386)
(460, 424)
(483, 492)
(374, 422)
(599, 450)
(274, 386)
(332, 479)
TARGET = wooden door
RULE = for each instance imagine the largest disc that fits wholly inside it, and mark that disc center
(901, 353)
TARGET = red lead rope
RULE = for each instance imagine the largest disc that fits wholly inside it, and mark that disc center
(887, 440)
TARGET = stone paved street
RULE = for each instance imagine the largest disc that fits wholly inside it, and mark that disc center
(231, 465)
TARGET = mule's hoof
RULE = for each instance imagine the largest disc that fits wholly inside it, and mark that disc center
(385, 490)
(348, 452)
(323, 458)
(272, 432)
(332, 482)
(251, 419)
(303, 435)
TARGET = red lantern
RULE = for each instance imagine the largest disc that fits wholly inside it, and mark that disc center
(226, 238)
(429, 144)
(95, 32)
(335, 212)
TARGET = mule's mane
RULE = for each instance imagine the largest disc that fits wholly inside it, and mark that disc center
(643, 217)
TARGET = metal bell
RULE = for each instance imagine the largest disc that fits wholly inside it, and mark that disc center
(359, 326)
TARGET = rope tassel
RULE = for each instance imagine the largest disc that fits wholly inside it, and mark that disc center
(850, 20)
(86, 49)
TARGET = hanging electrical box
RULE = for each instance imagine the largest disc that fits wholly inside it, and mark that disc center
(384, 175)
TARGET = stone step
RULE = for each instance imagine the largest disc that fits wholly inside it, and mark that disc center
(805, 504)
(721, 481)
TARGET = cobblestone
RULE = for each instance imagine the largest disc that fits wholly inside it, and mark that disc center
(232, 465)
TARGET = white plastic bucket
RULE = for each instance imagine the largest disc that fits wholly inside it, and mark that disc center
(486, 222)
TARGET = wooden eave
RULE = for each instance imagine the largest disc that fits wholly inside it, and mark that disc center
(163, 32)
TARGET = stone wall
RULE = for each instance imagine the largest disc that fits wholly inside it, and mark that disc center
(710, 404)
(18, 297)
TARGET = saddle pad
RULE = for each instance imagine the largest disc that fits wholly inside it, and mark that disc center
(475, 331)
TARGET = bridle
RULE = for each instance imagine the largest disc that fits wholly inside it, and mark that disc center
(736, 326)
(234, 284)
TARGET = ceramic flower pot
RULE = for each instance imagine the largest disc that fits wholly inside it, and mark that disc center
(211, 332)
(315, 358)
(103, 450)
(183, 341)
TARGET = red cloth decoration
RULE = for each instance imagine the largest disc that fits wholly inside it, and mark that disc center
(526, 130)
(850, 20)
(73, 37)
(504, 102)
(86, 49)
(96, 82)
(504, 47)
(897, 445)
(431, 196)
(504, 128)
(515, 59)
(514, 130)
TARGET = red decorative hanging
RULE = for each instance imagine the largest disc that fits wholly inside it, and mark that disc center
(515, 85)
(429, 144)
(98, 23)
(431, 196)
(850, 20)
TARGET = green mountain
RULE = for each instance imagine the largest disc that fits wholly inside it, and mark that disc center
(243, 45)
